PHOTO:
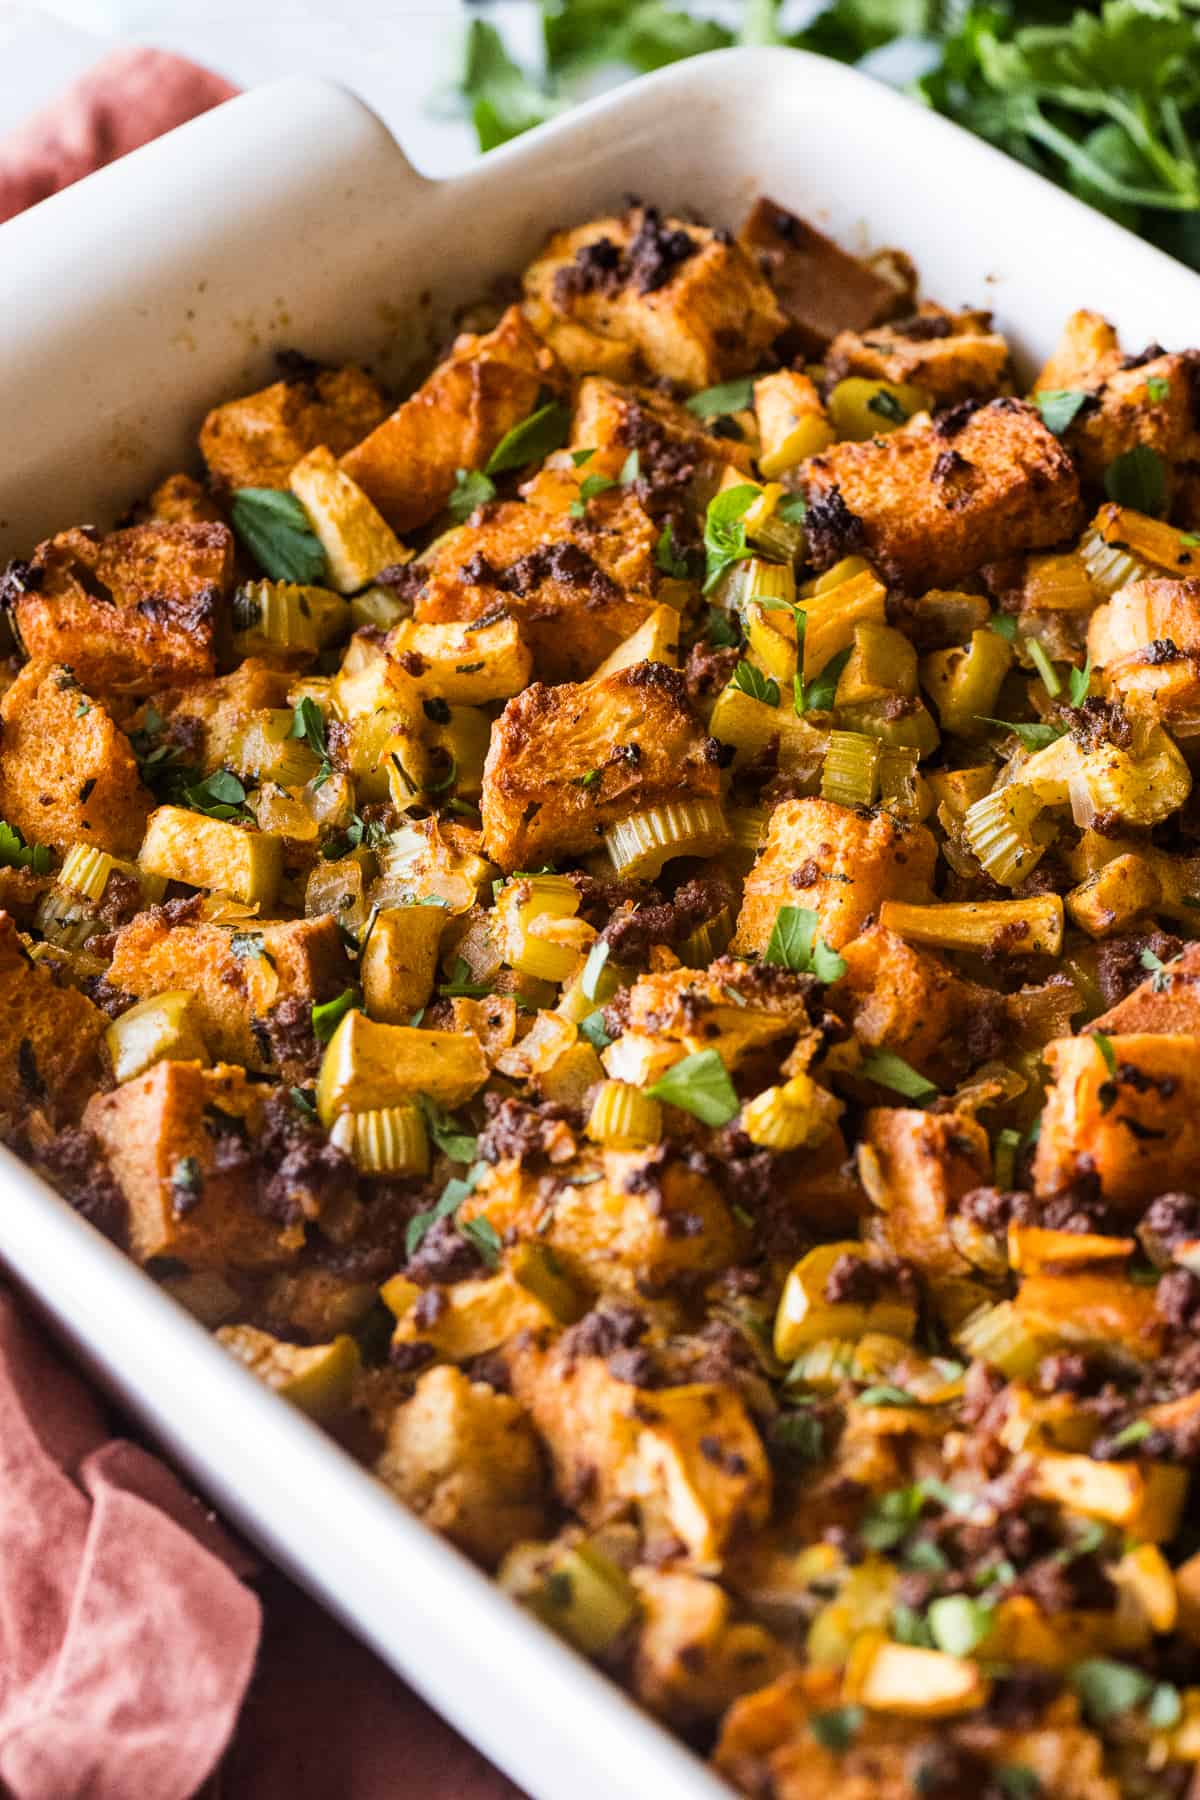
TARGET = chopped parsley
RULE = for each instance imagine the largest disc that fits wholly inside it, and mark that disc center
(1138, 478)
(1059, 407)
(891, 1071)
(725, 397)
(667, 559)
(471, 489)
(274, 527)
(725, 531)
(532, 440)
(308, 724)
(795, 943)
(699, 1085)
(749, 680)
(328, 1015)
(15, 853)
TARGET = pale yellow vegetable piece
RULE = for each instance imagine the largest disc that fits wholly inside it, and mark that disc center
(356, 538)
(1146, 1499)
(1032, 927)
(369, 1064)
(912, 1682)
(655, 640)
(624, 1117)
(163, 1026)
(315, 1377)
(467, 663)
(387, 1140)
(805, 1315)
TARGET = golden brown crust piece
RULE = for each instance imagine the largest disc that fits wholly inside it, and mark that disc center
(256, 441)
(820, 286)
(49, 1036)
(140, 607)
(952, 356)
(67, 775)
(928, 506)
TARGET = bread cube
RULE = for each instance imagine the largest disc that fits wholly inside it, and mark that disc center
(915, 1167)
(408, 464)
(257, 441)
(841, 862)
(1132, 400)
(398, 965)
(179, 500)
(204, 719)
(162, 1134)
(896, 995)
(951, 356)
(368, 1064)
(1146, 639)
(1136, 1126)
(465, 1458)
(138, 608)
(464, 663)
(572, 590)
(930, 504)
(67, 774)
(212, 853)
(693, 1658)
(686, 302)
(357, 541)
(49, 1035)
(252, 989)
(821, 288)
(566, 762)
(674, 447)
(1167, 1001)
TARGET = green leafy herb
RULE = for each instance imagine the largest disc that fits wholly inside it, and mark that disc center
(1133, 1433)
(471, 489)
(593, 968)
(1165, 1708)
(793, 509)
(1004, 625)
(220, 796)
(274, 528)
(891, 1517)
(749, 680)
(837, 1728)
(446, 1132)
(891, 1071)
(1107, 1689)
(1078, 683)
(1032, 737)
(886, 1395)
(1104, 1045)
(590, 780)
(958, 1624)
(589, 487)
(722, 631)
(1059, 407)
(909, 1626)
(666, 558)
(592, 1028)
(1138, 478)
(82, 708)
(725, 397)
(534, 438)
(1160, 979)
(1158, 388)
(15, 853)
(800, 1433)
(503, 100)
(449, 1201)
(725, 531)
(482, 1233)
(308, 724)
(1018, 1782)
(303, 1102)
(818, 696)
(886, 406)
(795, 943)
(328, 1016)
(699, 1085)
(460, 986)
(1044, 667)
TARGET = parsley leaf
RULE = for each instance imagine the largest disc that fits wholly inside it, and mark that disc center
(818, 696)
(308, 724)
(958, 1624)
(699, 1085)
(722, 631)
(1032, 737)
(449, 1201)
(503, 100)
(1078, 683)
(483, 1235)
(725, 397)
(1104, 1045)
(666, 558)
(793, 508)
(886, 1395)
(460, 986)
(1138, 478)
(220, 796)
(1018, 1781)
(15, 853)
(327, 1016)
(447, 1134)
(796, 944)
(532, 440)
(471, 489)
(1059, 407)
(302, 1100)
(1004, 625)
(592, 1028)
(886, 406)
(891, 1071)
(725, 531)
(749, 680)
(1157, 388)
(837, 1728)
(1107, 1688)
(274, 528)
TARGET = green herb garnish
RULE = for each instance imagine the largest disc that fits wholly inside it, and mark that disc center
(532, 440)
(274, 528)
(795, 943)
(699, 1085)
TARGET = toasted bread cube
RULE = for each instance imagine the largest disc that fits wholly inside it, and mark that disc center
(1146, 1499)
(1087, 347)
(464, 663)
(821, 287)
(369, 1064)
(566, 762)
(466, 1460)
(1136, 1127)
(257, 441)
(837, 861)
(1146, 403)
(212, 853)
(700, 1471)
(574, 593)
(905, 998)
(399, 963)
(67, 775)
(473, 1316)
(916, 1166)
(1146, 639)
(179, 500)
(1091, 1310)
(693, 1658)
(624, 1232)
(140, 607)
(610, 421)
(1167, 1001)
(356, 539)
(408, 464)
(1115, 896)
(928, 505)
(584, 1416)
(204, 719)
(950, 356)
(184, 1200)
(688, 302)
(49, 1035)
(251, 989)
(315, 1377)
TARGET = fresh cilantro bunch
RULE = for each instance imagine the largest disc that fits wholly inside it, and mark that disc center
(1103, 99)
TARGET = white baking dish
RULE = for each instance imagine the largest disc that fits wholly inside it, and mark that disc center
(290, 217)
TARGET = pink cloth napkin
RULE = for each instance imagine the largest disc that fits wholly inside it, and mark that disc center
(131, 1649)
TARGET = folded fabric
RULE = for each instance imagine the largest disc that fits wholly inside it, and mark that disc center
(127, 1638)
(124, 101)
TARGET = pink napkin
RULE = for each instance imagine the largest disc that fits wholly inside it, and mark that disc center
(127, 1636)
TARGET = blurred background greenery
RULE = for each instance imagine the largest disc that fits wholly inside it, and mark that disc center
(1104, 100)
